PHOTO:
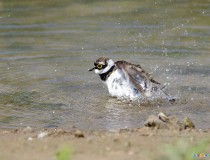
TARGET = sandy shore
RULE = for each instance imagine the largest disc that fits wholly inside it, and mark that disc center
(144, 143)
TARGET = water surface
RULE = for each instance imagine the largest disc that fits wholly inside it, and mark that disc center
(46, 48)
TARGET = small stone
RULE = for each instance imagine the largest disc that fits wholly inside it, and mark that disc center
(79, 134)
(42, 135)
(30, 139)
(153, 121)
(188, 123)
(27, 130)
(163, 117)
(115, 140)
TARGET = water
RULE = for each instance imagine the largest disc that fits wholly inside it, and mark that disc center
(46, 48)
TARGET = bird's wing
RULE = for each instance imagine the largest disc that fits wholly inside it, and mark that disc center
(135, 73)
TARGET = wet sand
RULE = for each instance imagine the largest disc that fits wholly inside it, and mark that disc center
(143, 143)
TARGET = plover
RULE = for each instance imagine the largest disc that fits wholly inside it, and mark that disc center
(127, 80)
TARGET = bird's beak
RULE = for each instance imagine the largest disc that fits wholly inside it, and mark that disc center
(91, 69)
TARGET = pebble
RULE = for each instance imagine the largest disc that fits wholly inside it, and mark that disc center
(79, 134)
(30, 139)
(163, 117)
(188, 123)
(42, 135)
(27, 129)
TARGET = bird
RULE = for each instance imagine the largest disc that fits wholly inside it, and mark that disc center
(126, 80)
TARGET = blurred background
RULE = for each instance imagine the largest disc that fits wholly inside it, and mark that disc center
(47, 46)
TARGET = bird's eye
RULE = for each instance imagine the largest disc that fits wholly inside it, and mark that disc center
(99, 66)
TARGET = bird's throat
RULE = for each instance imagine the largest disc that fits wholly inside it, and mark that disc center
(105, 76)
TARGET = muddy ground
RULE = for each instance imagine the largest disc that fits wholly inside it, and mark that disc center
(149, 142)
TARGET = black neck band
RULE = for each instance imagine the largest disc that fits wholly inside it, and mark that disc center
(104, 76)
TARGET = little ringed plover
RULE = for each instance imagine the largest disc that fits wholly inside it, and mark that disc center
(127, 80)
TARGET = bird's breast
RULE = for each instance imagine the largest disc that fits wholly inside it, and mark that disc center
(118, 85)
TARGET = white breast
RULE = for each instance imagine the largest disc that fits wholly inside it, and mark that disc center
(119, 86)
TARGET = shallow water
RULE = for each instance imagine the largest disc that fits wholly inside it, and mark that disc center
(46, 48)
